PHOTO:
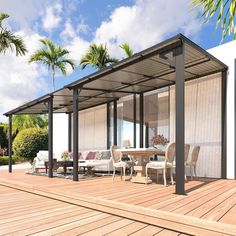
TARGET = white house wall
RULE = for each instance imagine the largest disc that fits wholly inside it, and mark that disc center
(227, 53)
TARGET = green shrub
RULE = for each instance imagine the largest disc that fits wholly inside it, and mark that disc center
(29, 141)
(4, 160)
(3, 135)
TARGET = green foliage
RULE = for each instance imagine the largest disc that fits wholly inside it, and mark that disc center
(225, 11)
(8, 40)
(4, 160)
(53, 56)
(97, 56)
(20, 122)
(29, 141)
(127, 49)
(3, 135)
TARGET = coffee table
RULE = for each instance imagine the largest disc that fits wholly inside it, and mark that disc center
(89, 167)
(58, 164)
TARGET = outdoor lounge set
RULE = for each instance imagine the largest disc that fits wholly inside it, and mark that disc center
(115, 159)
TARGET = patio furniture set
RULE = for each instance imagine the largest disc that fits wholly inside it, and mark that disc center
(140, 162)
(137, 160)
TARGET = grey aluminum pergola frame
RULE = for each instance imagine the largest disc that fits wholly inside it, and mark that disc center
(177, 47)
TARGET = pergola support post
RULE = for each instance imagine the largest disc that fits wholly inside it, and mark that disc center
(141, 118)
(135, 119)
(69, 132)
(10, 143)
(108, 125)
(115, 123)
(180, 120)
(75, 133)
(224, 125)
(50, 137)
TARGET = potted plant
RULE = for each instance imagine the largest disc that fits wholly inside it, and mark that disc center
(65, 156)
(159, 141)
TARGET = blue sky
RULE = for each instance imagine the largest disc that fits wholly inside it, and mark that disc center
(75, 24)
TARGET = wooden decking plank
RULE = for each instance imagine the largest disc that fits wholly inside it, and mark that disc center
(110, 227)
(182, 200)
(230, 216)
(127, 230)
(35, 223)
(88, 226)
(47, 228)
(147, 231)
(166, 232)
(220, 210)
(181, 223)
(185, 208)
(210, 205)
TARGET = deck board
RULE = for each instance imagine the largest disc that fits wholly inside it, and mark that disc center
(102, 203)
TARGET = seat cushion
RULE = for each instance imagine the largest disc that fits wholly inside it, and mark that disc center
(124, 164)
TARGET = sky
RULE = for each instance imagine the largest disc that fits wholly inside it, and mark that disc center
(75, 24)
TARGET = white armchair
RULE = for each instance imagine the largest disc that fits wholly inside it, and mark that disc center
(39, 161)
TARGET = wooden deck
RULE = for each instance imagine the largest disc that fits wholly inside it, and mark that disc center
(98, 206)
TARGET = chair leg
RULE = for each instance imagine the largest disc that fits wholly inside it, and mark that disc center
(195, 171)
(124, 171)
(114, 172)
(157, 176)
(131, 172)
(191, 172)
(121, 173)
(171, 176)
(164, 176)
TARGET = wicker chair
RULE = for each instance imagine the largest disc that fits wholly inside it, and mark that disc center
(168, 163)
(119, 164)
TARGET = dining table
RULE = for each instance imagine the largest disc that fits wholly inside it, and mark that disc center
(141, 156)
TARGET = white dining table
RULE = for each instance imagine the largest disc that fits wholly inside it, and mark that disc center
(141, 155)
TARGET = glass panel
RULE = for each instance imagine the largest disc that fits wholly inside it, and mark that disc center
(156, 115)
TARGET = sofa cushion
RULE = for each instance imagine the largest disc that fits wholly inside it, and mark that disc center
(105, 155)
(91, 156)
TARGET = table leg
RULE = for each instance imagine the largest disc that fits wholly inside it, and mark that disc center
(140, 176)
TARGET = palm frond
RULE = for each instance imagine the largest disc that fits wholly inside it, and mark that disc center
(127, 49)
(54, 56)
(224, 11)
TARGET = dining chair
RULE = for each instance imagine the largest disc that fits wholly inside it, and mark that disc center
(118, 163)
(193, 162)
(168, 163)
(186, 153)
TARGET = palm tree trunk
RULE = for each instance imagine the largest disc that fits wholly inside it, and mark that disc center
(53, 78)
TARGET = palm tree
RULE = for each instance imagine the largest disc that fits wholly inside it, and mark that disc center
(8, 40)
(97, 56)
(54, 57)
(20, 122)
(127, 49)
(225, 10)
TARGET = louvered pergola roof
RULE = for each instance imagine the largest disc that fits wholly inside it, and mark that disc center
(147, 70)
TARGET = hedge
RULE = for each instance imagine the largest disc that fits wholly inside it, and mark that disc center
(4, 160)
(29, 141)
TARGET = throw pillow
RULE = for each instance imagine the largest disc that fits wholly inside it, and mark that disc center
(91, 156)
(106, 155)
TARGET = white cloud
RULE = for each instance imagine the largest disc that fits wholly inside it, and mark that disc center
(146, 23)
(68, 32)
(20, 81)
(23, 14)
(52, 17)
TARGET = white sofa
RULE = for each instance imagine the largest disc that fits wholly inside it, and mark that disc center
(102, 159)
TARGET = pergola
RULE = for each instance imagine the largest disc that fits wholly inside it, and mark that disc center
(171, 62)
